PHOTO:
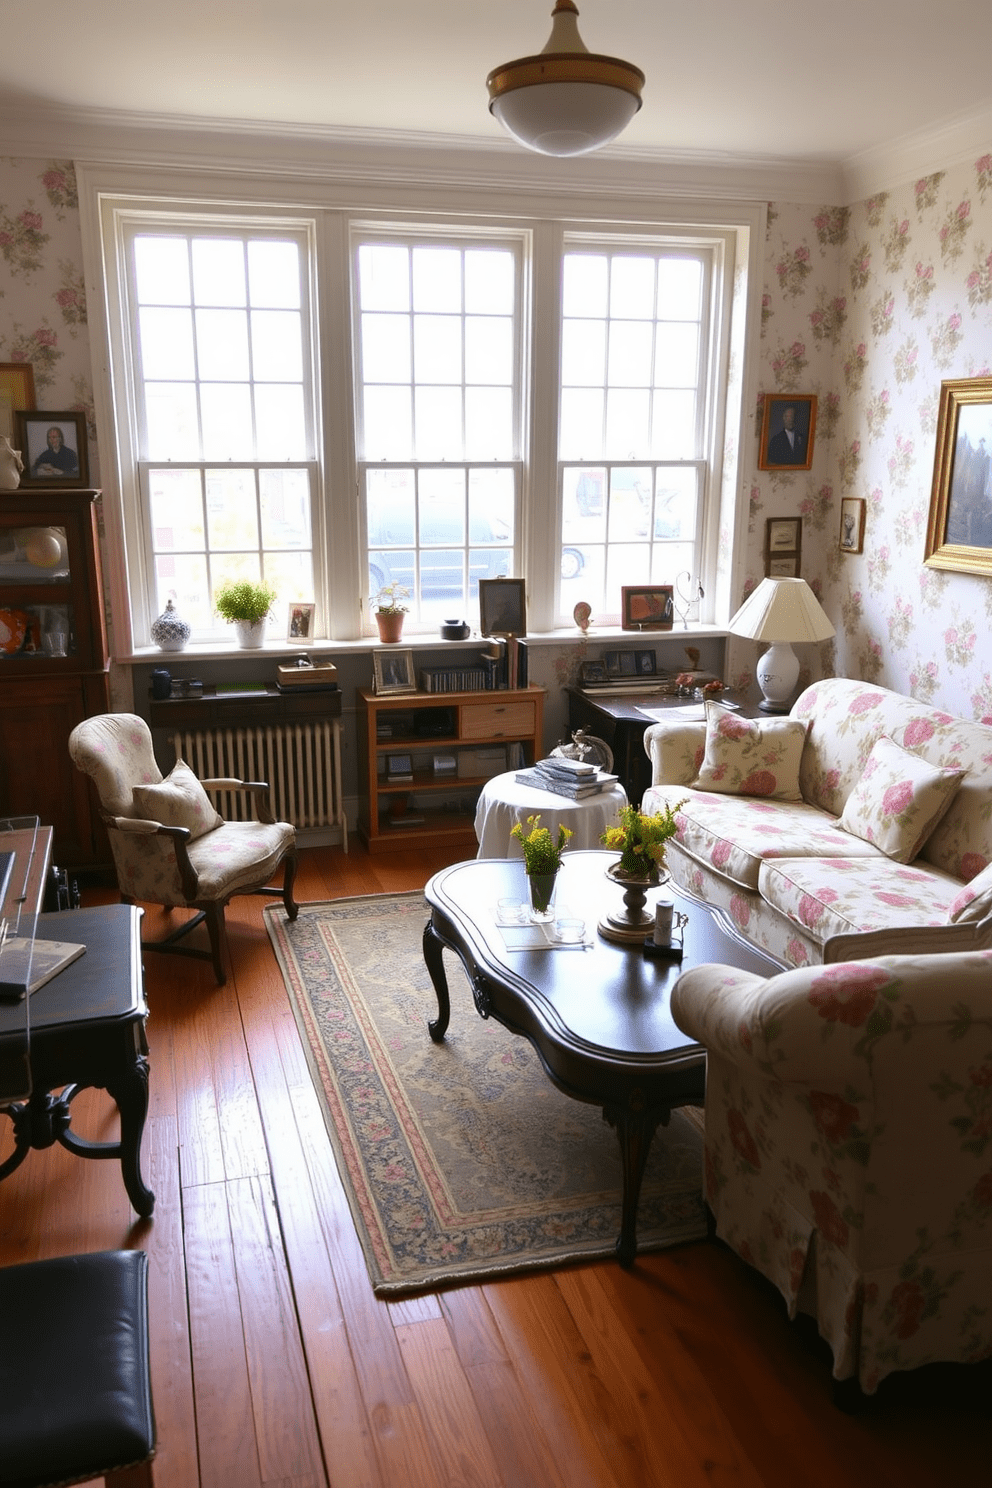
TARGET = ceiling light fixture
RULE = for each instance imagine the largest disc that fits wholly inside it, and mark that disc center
(566, 100)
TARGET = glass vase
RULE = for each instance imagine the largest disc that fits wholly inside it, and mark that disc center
(542, 896)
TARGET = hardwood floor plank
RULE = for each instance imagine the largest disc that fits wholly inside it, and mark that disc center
(285, 1431)
(201, 1152)
(447, 1406)
(224, 1416)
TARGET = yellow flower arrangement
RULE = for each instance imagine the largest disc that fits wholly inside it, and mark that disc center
(640, 840)
(541, 853)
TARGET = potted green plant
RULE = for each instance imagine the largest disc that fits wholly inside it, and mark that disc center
(389, 611)
(246, 605)
(542, 860)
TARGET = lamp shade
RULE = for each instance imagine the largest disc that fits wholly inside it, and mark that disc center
(782, 610)
(566, 100)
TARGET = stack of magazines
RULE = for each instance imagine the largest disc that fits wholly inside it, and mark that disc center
(566, 777)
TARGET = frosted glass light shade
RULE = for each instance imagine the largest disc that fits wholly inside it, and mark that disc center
(566, 100)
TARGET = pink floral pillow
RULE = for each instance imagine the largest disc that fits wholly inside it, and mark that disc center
(974, 901)
(898, 801)
(751, 756)
(180, 801)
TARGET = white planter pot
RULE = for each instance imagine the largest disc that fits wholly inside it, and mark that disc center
(250, 633)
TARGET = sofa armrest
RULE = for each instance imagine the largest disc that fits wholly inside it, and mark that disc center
(675, 750)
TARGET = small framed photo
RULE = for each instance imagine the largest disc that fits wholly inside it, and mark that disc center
(53, 448)
(300, 622)
(502, 607)
(593, 671)
(788, 424)
(783, 547)
(852, 525)
(959, 523)
(647, 606)
(16, 393)
(392, 671)
(646, 663)
(399, 767)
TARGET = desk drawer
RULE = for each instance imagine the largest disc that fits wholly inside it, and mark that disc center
(496, 720)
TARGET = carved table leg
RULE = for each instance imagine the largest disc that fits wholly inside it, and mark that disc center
(434, 961)
(635, 1126)
(130, 1091)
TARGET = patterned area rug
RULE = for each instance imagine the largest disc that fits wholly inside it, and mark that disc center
(461, 1160)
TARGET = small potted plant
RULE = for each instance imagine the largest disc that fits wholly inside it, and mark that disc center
(542, 860)
(245, 605)
(389, 611)
(640, 840)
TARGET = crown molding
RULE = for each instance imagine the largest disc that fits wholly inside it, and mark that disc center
(109, 137)
(954, 142)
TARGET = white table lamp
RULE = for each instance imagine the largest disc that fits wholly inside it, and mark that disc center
(780, 611)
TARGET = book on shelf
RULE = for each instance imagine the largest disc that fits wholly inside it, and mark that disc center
(454, 679)
(49, 957)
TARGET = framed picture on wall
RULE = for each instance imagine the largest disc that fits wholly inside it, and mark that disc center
(53, 448)
(783, 547)
(788, 425)
(852, 525)
(959, 524)
(16, 394)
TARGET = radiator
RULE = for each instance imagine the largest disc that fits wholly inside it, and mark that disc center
(301, 762)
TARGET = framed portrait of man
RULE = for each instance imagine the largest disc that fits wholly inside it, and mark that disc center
(788, 424)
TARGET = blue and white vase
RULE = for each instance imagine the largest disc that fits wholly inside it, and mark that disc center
(170, 631)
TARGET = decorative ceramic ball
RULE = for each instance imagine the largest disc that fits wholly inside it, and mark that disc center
(43, 548)
(170, 632)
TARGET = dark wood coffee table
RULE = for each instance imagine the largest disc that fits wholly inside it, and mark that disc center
(598, 1016)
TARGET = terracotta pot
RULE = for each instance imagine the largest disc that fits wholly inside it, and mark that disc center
(390, 625)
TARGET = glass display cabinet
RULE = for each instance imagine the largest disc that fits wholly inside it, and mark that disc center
(53, 663)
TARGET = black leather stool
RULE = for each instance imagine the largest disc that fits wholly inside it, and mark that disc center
(75, 1393)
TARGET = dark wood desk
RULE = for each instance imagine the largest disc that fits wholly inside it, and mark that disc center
(599, 1018)
(87, 1029)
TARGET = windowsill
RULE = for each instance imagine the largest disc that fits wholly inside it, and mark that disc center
(420, 640)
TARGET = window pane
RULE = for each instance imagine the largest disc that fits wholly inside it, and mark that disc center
(581, 432)
(384, 277)
(274, 276)
(674, 425)
(584, 284)
(671, 559)
(678, 356)
(439, 422)
(680, 282)
(385, 348)
(630, 504)
(172, 428)
(632, 287)
(280, 422)
(626, 563)
(445, 489)
(583, 567)
(232, 518)
(183, 579)
(161, 270)
(292, 575)
(489, 423)
(176, 502)
(627, 423)
(488, 349)
(437, 279)
(631, 344)
(583, 353)
(490, 506)
(166, 343)
(489, 281)
(437, 348)
(388, 427)
(225, 408)
(675, 504)
(285, 506)
(218, 271)
(222, 345)
(276, 345)
(391, 508)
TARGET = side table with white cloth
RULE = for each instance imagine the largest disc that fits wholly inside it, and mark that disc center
(504, 802)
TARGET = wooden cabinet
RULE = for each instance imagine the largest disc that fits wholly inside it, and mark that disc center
(53, 663)
(420, 803)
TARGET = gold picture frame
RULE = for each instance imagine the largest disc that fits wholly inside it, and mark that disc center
(959, 523)
(392, 671)
(647, 606)
(776, 450)
(16, 394)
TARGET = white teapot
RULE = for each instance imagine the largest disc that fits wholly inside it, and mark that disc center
(11, 465)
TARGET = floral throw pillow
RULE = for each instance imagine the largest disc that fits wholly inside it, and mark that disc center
(898, 801)
(180, 801)
(974, 901)
(751, 756)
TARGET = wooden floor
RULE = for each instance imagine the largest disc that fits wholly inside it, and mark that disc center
(274, 1364)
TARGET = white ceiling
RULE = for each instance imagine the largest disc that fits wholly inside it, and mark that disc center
(816, 83)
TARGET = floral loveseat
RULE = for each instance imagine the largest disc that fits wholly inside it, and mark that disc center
(859, 825)
(829, 1091)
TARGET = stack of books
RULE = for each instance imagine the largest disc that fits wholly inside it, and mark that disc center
(566, 777)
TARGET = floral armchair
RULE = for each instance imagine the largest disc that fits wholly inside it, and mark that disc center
(170, 846)
(848, 1151)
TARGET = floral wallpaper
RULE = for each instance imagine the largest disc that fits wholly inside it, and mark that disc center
(868, 307)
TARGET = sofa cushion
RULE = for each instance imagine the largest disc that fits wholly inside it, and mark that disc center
(180, 801)
(899, 800)
(751, 756)
(841, 896)
(974, 901)
(734, 837)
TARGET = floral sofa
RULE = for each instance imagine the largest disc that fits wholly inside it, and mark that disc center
(829, 1091)
(859, 825)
